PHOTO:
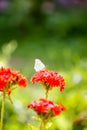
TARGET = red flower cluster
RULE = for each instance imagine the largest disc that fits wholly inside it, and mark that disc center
(46, 107)
(10, 77)
(49, 79)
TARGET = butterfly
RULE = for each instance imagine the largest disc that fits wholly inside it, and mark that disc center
(39, 65)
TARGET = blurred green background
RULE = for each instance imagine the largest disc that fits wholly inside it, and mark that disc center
(54, 31)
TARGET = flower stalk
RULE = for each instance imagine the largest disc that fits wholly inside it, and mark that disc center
(2, 110)
(42, 125)
(46, 93)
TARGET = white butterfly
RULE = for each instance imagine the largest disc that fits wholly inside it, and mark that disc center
(39, 65)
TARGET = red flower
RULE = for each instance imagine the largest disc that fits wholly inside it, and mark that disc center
(49, 78)
(9, 77)
(46, 107)
(58, 108)
(2, 84)
(22, 81)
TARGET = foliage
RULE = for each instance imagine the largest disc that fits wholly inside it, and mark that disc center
(6, 52)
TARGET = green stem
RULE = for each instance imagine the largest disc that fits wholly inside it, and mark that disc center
(43, 125)
(47, 93)
(2, 111)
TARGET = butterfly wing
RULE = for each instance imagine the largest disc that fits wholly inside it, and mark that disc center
(39, 65)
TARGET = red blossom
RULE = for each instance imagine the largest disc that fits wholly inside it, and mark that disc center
(2, 84)
(9, 77)
(58, 108)
(49, 79)
(22, 81)
(48, 107)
